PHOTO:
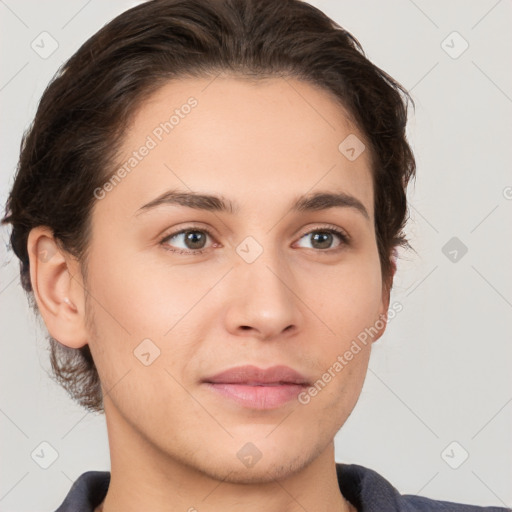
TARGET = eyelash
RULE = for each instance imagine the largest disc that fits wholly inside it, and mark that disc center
(344, 238)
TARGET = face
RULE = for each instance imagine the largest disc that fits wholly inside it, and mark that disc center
(182, 289)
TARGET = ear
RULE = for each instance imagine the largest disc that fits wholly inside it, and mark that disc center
(382, 321)
(58, 288)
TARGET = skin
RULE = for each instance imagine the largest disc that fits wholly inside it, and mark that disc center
(174, 443)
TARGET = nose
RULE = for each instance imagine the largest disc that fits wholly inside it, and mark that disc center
(262, 301)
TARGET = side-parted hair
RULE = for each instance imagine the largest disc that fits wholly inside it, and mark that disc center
(70, 149)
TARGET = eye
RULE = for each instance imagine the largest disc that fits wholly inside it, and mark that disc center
(322, 238)
(194, 240)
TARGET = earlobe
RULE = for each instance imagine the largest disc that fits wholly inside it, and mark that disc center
(386, 291)
(57, 290)
(382, 321)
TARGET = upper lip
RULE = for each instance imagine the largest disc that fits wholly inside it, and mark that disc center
(252, 375)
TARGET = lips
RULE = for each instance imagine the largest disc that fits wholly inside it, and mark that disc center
(254, 376)
(256, 388)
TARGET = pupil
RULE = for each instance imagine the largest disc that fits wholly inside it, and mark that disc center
(192, 239)
(323, 237)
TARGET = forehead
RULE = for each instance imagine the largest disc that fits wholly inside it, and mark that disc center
(266, 140)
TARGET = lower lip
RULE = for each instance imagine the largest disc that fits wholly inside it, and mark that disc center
(258, 397)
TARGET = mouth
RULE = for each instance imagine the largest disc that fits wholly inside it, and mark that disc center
(255, 388)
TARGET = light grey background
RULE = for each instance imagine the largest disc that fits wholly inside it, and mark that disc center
(441, 373)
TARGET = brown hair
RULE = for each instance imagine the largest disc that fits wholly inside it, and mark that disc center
(70, 148)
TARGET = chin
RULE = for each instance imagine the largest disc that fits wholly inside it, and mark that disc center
(263, 471)
(276, 465)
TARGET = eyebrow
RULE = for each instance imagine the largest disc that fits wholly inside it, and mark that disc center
(218, 203)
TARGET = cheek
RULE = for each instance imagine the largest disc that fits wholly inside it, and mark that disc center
(347, 297)
(327, 404)
(144, 313)
(349, 304)
(139, 300)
